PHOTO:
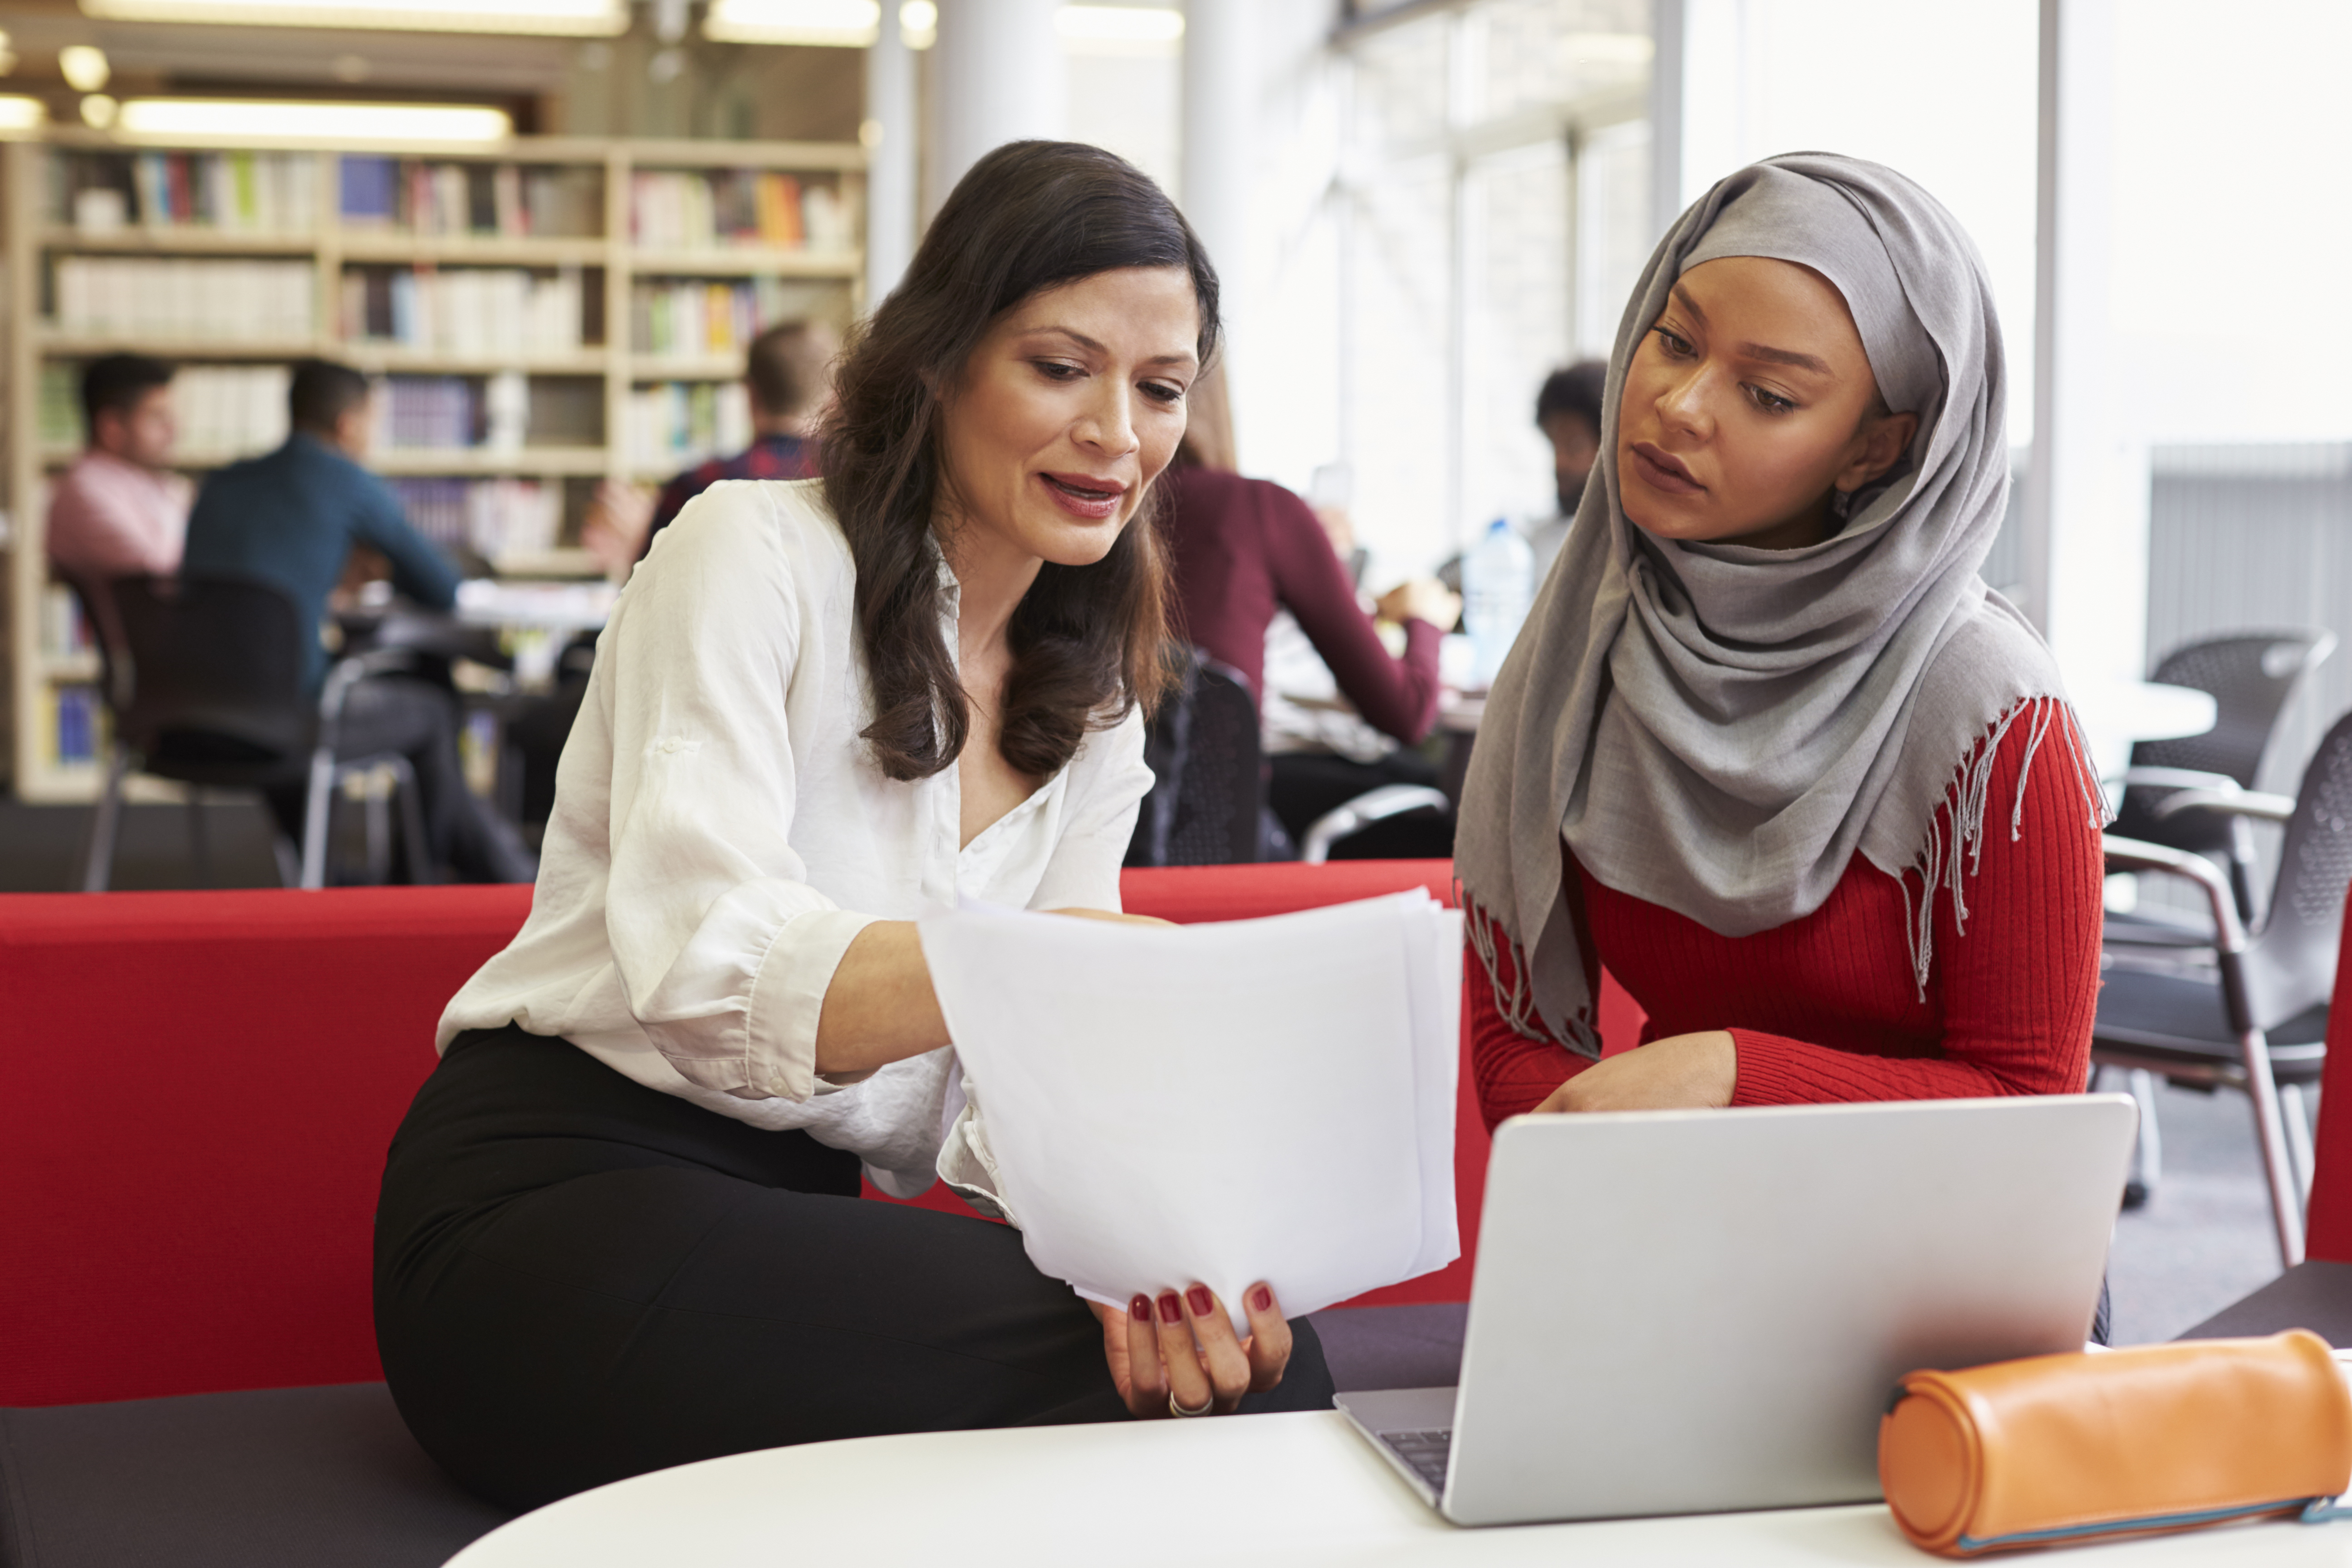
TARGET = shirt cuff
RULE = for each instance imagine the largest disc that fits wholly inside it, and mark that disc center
(787, 1000)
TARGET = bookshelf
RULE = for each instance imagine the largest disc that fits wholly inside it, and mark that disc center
(545, 312)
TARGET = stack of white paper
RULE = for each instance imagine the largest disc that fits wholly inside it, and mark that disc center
(1259, 1099)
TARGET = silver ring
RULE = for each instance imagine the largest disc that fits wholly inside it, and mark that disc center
(1180, 1412)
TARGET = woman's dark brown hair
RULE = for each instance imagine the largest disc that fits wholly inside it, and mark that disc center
(1086, 640)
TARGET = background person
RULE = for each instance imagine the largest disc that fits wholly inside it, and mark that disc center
(119, 510)
(1768, 749)
(1243, 549)
(786, 375)
(1567, 412)
(293, 518)
(619, 1227)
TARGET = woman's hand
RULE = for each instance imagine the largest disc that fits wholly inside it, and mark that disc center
(1184, 1345)
(1076, 913)
(1423, 599)
(1675, 1073)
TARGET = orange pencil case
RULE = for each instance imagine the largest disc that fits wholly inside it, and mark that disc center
(2064, 1448)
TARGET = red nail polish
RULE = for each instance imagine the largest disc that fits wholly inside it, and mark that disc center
(1141, 1308)
(1171, 1309)
(1199, 1296)
(1261, 1299)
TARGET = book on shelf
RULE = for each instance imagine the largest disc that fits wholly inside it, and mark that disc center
(504, 201)
(100, 193)
(65, 631)
(479, 311)
(60, 407)
(493, 518)
(491, 413)
(676, 425)
(74, 727)
(679, 316)
(230, 411)
(694, 210)
(184, 298)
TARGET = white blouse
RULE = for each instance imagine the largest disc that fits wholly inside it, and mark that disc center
(722, 833)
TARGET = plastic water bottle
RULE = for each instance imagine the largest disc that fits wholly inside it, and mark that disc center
(1498, 583)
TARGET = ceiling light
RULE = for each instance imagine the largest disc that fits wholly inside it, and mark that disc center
(919, 24)
(1118, 24)
(234, 119)
(841, 24)
(578, 18)
(98, 110)
(19, 112)
(84, 66)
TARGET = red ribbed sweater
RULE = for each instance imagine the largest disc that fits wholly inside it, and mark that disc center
(1826, 1007)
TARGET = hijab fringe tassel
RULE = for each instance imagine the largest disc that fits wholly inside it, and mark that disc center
(1515, 1003)
(1955, 829)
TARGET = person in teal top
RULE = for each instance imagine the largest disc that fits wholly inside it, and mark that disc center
(291, 517)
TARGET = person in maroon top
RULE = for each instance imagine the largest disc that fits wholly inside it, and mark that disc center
(1769, 750)
(1242, 550)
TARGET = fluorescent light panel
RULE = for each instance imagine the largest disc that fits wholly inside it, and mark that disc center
(843, 24)
(574, 19)
(852, 24)
(19, 112)
(262, 119)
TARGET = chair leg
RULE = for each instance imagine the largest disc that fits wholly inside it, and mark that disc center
(412, 825)
(98, 862)
(2298, 1137)
(2270, 1132)
(200, 847)
(2148, 1152)
(289, 861)
(378, 829)
(317, 817)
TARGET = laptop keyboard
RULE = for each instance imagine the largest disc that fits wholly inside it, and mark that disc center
(1425, 1453)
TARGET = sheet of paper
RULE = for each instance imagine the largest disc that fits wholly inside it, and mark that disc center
(1257, 1100)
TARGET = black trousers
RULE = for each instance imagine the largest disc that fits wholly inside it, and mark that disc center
(579, 1278)
(419, 721)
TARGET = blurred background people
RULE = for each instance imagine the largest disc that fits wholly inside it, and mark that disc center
(787, 373)
(1567, 412)
(1244, 551)
(293, 517)
(119, 510)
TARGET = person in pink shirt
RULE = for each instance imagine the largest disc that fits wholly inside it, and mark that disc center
(121, 512)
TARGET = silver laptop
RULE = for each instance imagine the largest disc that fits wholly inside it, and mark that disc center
(1694, 1311)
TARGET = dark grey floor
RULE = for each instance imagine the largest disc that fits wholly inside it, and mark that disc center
(42, 846)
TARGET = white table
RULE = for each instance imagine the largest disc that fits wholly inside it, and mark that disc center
(1292, 1489)
(2115, 714)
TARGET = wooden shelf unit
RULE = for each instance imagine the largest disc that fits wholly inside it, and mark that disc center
(36, 238)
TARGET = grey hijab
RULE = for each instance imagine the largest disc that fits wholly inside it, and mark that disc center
(1718, 728)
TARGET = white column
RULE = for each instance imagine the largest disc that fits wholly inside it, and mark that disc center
(889, 135)
(2085, 508)
(1218, 167)
(1670, 32)
(997, 76)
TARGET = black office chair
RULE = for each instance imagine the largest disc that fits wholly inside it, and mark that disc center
(2251, 676)
(207, 690)
(2257, 1019)
(1207, 802)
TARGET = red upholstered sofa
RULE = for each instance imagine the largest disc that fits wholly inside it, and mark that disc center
(196, 1091)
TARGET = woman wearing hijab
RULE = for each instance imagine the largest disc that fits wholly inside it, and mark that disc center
(1768, 748)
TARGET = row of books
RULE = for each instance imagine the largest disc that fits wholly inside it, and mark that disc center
(231, 410)
(509, 201)
(185, 299)
(64, 630)
(441, 412)
(678, 317)
(235, 192)
(74, 727)
(466, 310)
(493, 518)
(675, 210)
(676, 425)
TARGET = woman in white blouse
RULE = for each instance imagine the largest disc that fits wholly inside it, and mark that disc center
(620, 1226)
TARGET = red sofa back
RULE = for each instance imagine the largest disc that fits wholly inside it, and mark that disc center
(2328, 1222)
(198, 1089)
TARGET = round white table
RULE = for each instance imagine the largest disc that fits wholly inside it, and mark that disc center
(1293, 1490)
(2117, 713)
